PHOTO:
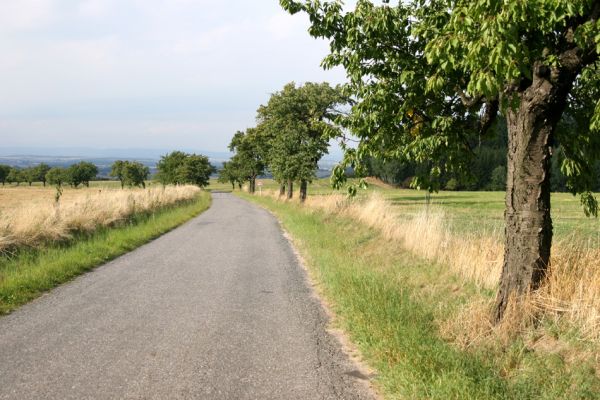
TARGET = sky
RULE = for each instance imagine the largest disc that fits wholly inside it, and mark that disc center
(155, 74)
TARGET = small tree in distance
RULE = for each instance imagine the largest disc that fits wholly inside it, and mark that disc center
(4, 171)
(81, 173)
(233, 173)
(130, 173)
(15, 175)
(178, 168)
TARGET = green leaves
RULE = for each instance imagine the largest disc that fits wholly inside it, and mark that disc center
(179, 168)
(422, 74)
(298, 122)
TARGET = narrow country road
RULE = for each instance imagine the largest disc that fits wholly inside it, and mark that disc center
(216, 309)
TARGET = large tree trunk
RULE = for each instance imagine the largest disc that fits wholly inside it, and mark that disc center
(527, 216)
(290, 189)
(303, 189)
(281, 188)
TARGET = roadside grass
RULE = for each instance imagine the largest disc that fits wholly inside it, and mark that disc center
(395, 305)
(30, 272)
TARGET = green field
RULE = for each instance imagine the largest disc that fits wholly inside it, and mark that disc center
(469, 212)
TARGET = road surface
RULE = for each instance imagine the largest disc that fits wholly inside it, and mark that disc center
(216, 309)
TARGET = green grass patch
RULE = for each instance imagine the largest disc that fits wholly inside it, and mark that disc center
(392, 304)
(478, 213)
(29, 273)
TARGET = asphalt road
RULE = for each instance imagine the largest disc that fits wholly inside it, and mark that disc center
(216, 309)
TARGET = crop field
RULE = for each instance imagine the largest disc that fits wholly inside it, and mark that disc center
(31, 217)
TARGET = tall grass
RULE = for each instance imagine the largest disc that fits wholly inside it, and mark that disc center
(27, 274)
(570, 294)
(33, 224)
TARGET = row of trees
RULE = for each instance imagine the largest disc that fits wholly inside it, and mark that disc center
(75, 175)
(175, 168)
(130, 173)
(291, 136)
(19, 175)
(178, 168)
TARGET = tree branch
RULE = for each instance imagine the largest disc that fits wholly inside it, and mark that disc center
(466, 100)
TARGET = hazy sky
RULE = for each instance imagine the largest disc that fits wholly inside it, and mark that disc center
(146, 73)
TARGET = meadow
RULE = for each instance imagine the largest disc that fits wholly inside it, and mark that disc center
(479, 213)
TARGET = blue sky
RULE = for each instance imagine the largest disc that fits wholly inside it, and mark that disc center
(146, 73)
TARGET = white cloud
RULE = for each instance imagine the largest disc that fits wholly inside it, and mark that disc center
(19, 15)
(184, 72)
(95, 8)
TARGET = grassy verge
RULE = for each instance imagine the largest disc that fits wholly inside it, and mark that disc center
(393, 305)
(29, 273)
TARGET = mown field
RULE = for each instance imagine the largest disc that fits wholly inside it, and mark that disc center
(467, 212)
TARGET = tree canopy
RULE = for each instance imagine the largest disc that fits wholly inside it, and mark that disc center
(297, 122)
(178, 168)
(251, 153)
(130, 173)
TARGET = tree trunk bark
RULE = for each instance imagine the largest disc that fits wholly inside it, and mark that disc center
(232, 186)
(290, 189)
(282, 189)
(528, 234)
(252, 185)
(303, 189)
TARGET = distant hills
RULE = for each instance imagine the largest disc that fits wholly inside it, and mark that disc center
(23, 157)
(113, 153)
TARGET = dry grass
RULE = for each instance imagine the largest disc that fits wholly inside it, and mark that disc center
(29, 217)
(570, 295)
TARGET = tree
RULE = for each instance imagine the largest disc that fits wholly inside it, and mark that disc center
(81, 173)
(195, 170)
(251, 148)
(232, 172)
(116, 170)
(498, 179)
(15, 175)
(57, 176)
(135, 174)
(130, 173)
(297, 122)
(179, 168)
(40, 173)
(29, 175)
(430, 77)
(4, 171)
